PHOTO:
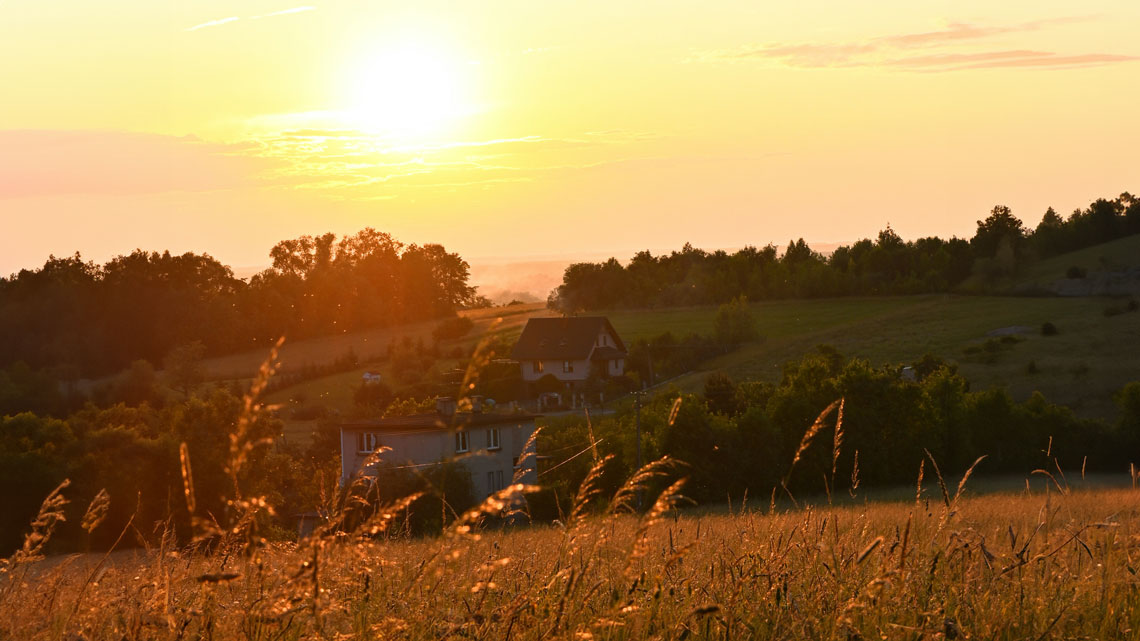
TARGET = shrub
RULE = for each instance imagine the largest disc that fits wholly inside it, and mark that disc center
(452, 328)
(1031, 368)
(372, 395)
(734, 323)
(1076, 272)
(1048, 329)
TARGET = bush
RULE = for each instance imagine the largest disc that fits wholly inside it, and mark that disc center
(373, 396)
(734, 323)
(1049, 329)
(1076, 272)
(452, 328)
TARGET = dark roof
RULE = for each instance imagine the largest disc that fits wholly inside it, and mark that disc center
(434, 421)
(606, 353)
(562, 338)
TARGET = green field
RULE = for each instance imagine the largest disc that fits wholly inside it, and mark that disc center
(1081, 367)
(368, 345)
(1090, 358)
(1118, 254)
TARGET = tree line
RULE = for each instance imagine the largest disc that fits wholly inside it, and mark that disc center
(884, 265)
(81, 319)
(740, 439)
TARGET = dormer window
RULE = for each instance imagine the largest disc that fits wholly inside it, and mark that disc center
(567, 367)
(538, 367)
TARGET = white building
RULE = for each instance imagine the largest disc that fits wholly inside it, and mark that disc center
(489, 445)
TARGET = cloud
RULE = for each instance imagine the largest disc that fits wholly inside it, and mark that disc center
(213, 23)
(339, 164)
(51, 163)
(904, 51)
(1004, 59)
(221, 21)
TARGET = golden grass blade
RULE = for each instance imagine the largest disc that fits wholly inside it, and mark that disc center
(674, 411)
(938, 473)
(809, 435)
(187, 478)
(96, 511)
(837, 444)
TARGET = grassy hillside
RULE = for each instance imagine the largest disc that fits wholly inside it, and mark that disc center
(1009, 566)
(1082, 366)
(1114, 255)
(367, 344)
(1088, 360)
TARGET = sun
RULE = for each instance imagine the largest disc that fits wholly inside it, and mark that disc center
(408, 91)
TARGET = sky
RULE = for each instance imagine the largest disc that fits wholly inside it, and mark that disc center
(512, 130)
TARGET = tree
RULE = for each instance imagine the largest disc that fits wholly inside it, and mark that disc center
(183, 367)
(1000, 225)
(734, 323)
(720, 393)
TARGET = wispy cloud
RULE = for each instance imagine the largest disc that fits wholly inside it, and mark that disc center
(1006, 59)
(213, 23)
(222, 21)
(37, 163)
(907, 51)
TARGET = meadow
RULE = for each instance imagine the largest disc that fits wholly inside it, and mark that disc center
(1042, 563)
(1082, 366)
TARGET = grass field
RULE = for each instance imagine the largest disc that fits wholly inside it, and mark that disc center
(368, 344)
(1030, 565)
(1114, 255)
(1081, 367)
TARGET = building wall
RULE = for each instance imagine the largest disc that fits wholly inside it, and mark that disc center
(580, 373)
(428, 447)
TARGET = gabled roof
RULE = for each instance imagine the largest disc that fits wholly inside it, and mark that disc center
(562, 339)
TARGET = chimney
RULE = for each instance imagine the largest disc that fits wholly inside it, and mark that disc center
(445, 405)
(476, 404)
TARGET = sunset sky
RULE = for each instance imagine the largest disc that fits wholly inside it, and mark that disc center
(529, 129)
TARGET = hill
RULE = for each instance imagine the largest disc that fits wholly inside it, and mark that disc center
(1081, 366)
(1115, 256)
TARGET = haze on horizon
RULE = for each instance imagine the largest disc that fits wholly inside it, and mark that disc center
(517, 129)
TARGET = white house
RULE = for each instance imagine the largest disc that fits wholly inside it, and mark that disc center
(492, 442)
(570, 349)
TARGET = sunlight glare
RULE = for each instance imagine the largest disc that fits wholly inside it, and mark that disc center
(408, 91)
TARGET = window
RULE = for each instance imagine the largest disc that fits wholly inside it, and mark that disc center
(495, 481)
(493, 438)
(367, 442)
(460, 441)
(538, 367)
(567, 367)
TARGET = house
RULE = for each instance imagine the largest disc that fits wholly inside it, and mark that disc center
(493, 442)
(570, 349)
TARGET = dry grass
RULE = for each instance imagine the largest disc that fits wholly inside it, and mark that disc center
(1000, 566)
(1028, 566)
